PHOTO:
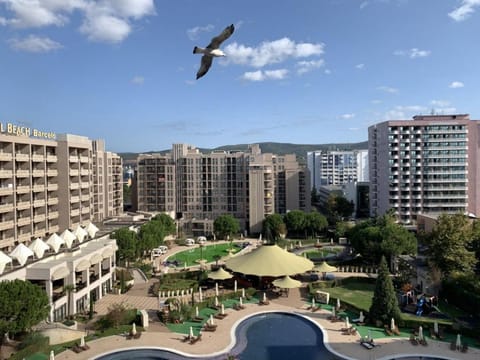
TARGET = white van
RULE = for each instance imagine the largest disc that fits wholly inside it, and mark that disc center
(159, 251)
(201, 240)
(189, 242)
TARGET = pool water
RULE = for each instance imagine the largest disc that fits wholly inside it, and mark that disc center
(272, 336)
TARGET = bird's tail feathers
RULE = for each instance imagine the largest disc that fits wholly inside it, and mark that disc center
(197, 50)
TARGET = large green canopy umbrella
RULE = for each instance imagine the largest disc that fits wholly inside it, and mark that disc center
(220, 274)
(324, 267)
(269, 260)
(287, 282)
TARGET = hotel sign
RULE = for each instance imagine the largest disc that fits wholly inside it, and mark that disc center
(17, 130)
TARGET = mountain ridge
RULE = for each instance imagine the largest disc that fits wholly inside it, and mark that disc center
(300, 150)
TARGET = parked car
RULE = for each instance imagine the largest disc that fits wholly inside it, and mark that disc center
(189, 242)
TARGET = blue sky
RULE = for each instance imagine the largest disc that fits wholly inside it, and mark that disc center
(298, 71)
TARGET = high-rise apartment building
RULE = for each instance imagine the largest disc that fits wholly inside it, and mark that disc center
(337, 167)
(428, 165)
(47, 184)
(248, 185)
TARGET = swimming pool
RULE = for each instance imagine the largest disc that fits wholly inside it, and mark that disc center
(279, 336)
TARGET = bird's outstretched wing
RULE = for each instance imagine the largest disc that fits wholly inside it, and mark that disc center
(204, 66)
(217, 40)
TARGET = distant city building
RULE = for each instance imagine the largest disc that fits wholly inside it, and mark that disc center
(337, 167)
(428, 165)
(196, 188)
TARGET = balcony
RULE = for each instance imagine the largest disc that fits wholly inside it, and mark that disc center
(22, 157)
(52, 201)
(23, 205)
(38, 173)
(39, 218)
(38, 203)
(22, 173)
(5, 156)
(6, 173)
(23, 189)
(83, 159)
(74, 186)
(51, 158)
(52, 215)
(74, 199)
(37, 157)
(6, 208)
(85, 210)
(74, 172)
(75, 212)
(52, 172)
(6, 191)
(6, 225)
(52, 187)
(24, 221)
(38, 188)
(73, 158)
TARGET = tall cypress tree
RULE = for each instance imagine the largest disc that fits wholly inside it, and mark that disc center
(384, 303)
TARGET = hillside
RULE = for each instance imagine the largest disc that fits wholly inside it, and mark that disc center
(269, 147)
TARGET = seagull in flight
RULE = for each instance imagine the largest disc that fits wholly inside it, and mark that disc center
(212, 50)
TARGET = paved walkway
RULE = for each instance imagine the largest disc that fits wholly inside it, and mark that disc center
(344, 346)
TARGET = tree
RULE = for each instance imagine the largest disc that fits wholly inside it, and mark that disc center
(151, 235)
(168, 224)
(315, 222)
(226, 226)
(296, 222)
(384, 303)
(127, 244)
(22, 305)
(379, 237)
(338, 207)
(449, 244)
(274, 225)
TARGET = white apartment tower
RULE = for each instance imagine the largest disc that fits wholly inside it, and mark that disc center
(337, 167)
(428, 165)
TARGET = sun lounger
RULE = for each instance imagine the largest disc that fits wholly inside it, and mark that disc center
(367, 345)
(315, 308)
(413, 340)
(220, 316)
(453, 346)
(261, 302)
(208, 327)
(464, 348)
(194, 339)
(238, 307)
(198, 319)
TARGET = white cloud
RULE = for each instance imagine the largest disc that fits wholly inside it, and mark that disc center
(440, 103)
(34, 44)
(456, 85)
(347, 116)
(138, 80)
(307, 66)
(404, 112)
(388, 89)
(3, 21)
(363, 4)
(360, 66)
(272, 52)
(260, 75)
(464, 10)
(376, 102)
(194, 33)
(103, 20)
(328, 71)
(412, 53)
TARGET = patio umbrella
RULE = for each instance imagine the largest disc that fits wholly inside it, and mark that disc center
(243, 292)
(82, 341)
(220, 274)
(333, 312)
(420, 333)
(338, 304)
(241, 301)
(216, 289)
(264, 297)
(200, 294)
(21, 253)
(347, 323)
(38, 246)
(222, 311)
(134, 329)
(361, 317)
(235, 286)
(392, 324)
(269, 260)
(197, 314)
(369, 335)
(313, 302)
(287, 282)
(52, 355)
(435, 327)
(211, 320)
(458, 343)
(324, 267)
(191, 332)
(216, 301)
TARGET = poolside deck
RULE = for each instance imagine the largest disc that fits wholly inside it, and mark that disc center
(220, 341)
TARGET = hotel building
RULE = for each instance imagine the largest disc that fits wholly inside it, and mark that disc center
(57, 186)
(337, 167)
(196, 188)
(428, 165)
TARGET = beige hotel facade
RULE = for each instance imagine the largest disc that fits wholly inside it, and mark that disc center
(196, 188)
(58, 185)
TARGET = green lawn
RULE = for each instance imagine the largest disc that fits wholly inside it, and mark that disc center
(191, 256)
(323, 252)
(357, 294)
